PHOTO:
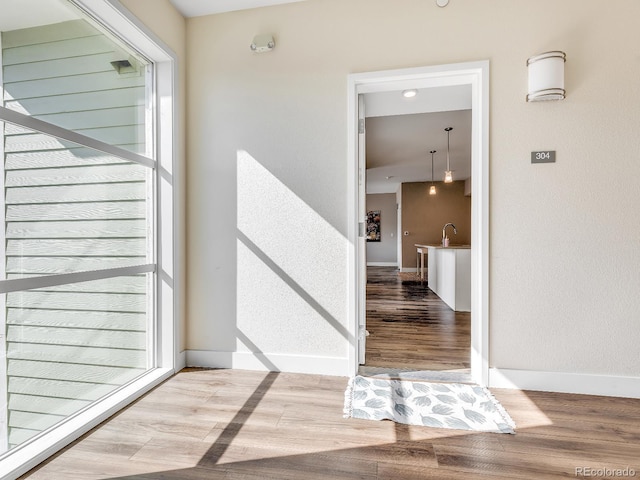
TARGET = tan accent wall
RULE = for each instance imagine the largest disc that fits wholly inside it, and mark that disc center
(424, 215)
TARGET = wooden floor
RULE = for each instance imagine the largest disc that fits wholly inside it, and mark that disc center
(230, 424)
(410, 327)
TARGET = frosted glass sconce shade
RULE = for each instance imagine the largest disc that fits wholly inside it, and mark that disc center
(546, 76)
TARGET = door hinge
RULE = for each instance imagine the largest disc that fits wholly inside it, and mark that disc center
(361, 125)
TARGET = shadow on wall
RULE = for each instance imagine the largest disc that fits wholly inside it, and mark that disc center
(289, 299)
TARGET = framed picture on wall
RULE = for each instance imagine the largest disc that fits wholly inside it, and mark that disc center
(373, 226)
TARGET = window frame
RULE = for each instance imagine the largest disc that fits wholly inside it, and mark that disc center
(116, 18)
(4, 398)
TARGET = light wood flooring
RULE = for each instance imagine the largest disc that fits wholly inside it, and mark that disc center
(411, 328)
(230, 424)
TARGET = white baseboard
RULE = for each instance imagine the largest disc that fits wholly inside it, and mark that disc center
(576, 383)
(610, 386)
(181, 360)
(269, 362)
(382, 264)
(408, 269)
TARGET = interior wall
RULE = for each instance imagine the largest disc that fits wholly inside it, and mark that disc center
(564, 237)
(170, 26)
(424, 215)
(384, 251)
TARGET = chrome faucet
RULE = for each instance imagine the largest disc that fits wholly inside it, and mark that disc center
(455, 232)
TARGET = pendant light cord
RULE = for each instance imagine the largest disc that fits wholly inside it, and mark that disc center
(448, 129)
(432, 152)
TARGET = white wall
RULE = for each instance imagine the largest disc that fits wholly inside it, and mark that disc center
(267, 228)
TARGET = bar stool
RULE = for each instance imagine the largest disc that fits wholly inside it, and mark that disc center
(420, 253)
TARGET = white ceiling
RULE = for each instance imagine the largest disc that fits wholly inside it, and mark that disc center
(197, 8)
(441, 99)
(401, 132)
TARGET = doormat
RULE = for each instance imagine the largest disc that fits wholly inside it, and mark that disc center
(441, 405)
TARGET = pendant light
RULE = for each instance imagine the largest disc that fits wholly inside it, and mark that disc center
(432, 188)
(448, 176)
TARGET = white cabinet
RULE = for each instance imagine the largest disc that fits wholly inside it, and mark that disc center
(449, 276)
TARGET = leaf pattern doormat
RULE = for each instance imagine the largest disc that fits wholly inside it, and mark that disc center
(441, 405)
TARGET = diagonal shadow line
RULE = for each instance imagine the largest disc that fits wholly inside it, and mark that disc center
(295, 286)
(230, 432)
(223, 442)
(403, 432)
(256, 352)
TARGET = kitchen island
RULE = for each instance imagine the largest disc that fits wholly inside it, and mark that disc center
(449, 274)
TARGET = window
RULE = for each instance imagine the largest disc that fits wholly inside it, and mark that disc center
(86, 288)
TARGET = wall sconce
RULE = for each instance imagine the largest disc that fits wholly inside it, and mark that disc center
(546, 76)
(262, 43)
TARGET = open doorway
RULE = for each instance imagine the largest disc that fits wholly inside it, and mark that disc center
(413, 332)
(474, 75)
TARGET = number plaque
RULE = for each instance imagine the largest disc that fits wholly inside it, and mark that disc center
(547, 156)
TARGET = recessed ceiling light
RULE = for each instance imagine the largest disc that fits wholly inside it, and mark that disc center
(410, 93)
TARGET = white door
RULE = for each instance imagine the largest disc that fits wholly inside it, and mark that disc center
(362, 246)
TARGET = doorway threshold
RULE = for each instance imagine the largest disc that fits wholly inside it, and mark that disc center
(443, 376)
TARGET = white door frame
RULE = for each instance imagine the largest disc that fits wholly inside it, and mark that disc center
(475, 74)
(362, 245)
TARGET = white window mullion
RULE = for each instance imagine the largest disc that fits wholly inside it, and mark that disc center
(168, 301)
(152, 219)
(4, 426)
(150, 92)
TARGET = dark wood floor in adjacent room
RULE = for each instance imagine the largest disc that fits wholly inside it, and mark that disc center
(231, 424)
(411, 328)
